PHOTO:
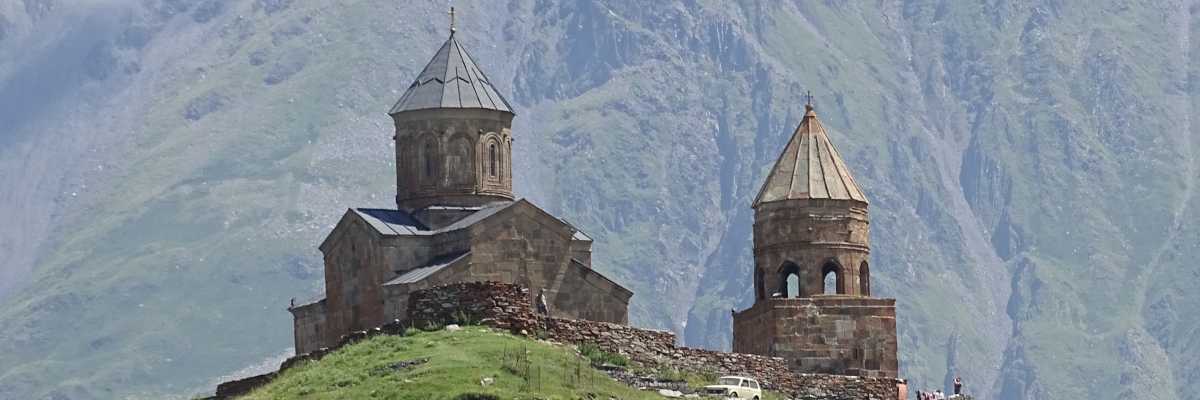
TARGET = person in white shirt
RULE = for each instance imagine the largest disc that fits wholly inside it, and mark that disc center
(543, 308)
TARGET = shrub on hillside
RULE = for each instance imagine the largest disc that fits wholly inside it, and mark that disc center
(600, 357)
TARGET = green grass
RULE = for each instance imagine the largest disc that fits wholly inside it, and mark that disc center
(457, 362)
(451, 365)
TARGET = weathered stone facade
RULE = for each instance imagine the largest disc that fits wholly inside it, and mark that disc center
(524, 245)
(810, 223)
(455, 221)
(811, 238)
(827, 334)
(453, 157)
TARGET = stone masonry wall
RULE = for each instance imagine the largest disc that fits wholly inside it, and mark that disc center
(525, 245)
(846, 335)
(507, 306)
(498, 305)
(309, 326)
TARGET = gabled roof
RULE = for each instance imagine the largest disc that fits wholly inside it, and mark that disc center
(483, 213)
(809, 168)
(391, 222)
(451, 80)
(400, 223)
(424, 271)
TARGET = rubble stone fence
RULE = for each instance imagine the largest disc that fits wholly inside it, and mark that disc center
(509, 307)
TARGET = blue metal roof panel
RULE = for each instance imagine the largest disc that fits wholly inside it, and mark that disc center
(392, 222)
(419, 273)
(477, 216)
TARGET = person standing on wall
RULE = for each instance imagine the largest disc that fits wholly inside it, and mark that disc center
(542, 307)
(957, 385)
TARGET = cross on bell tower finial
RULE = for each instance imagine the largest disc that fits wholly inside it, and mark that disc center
(809, 105)
(452, 29)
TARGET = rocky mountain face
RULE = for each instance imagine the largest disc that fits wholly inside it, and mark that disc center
(168, 167)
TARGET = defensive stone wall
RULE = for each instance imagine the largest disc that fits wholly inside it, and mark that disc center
(507, 306)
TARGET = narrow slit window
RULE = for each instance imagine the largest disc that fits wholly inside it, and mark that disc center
(864, 279)
(492, 160)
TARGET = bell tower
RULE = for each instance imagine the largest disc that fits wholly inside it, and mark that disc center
(453, 135)
(812, 281)
(810, 222)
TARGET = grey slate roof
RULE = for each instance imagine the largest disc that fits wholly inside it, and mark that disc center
(391, 222)
(400, 223)
(482, 214)
(451, 80)
(809, 168)
(424, 271)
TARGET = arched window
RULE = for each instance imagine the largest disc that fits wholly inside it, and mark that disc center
(793, 286)
(501, 165)
(492, 160)
(429, 156)
(831, 277)
(864, 279)
(789, 281)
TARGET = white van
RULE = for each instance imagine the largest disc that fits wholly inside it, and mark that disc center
(735, 386)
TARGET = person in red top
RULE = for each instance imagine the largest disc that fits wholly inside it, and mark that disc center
(957, 385)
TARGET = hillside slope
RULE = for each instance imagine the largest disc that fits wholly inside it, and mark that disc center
(169, 167)
(448, 365)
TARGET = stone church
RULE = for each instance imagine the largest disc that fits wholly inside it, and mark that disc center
(456, 219)
(810, 228)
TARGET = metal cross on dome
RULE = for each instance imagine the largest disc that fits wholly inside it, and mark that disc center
(451, 20)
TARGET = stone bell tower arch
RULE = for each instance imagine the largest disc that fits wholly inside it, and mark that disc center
(810, 222)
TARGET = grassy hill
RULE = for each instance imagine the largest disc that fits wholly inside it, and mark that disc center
(451, 365)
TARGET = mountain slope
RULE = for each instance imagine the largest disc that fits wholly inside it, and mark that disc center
(1030, 166)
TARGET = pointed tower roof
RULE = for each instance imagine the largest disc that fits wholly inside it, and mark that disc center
(451, 80)
(809, 168)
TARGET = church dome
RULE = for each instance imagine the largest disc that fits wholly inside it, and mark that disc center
(809, 168)
(451, 80)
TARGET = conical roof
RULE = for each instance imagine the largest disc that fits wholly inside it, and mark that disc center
(451, 80)
(809, 168)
